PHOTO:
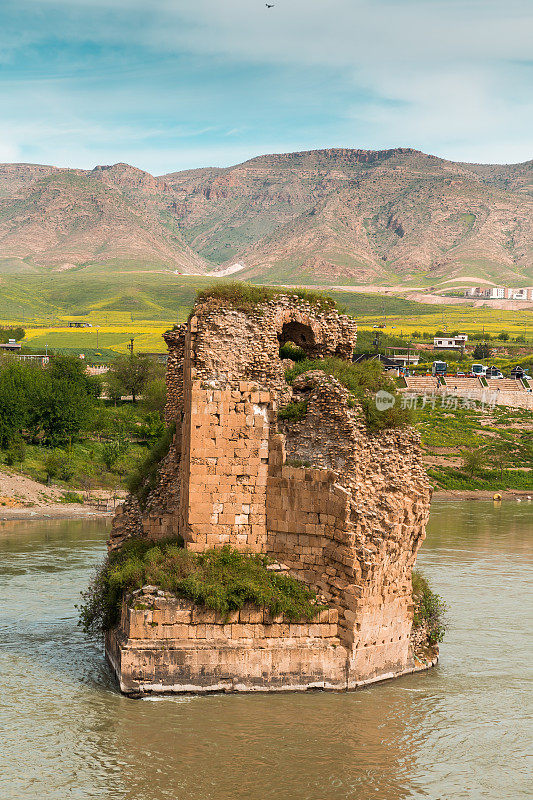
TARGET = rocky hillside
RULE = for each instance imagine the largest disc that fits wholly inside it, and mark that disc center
(325, 216)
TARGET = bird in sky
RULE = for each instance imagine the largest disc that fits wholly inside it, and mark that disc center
(268, 5)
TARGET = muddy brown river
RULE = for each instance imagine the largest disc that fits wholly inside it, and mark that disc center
(462, 730)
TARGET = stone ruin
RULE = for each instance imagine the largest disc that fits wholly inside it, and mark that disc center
(349, 523)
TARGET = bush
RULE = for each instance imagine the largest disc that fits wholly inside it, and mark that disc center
(290, 350)
(224, 580)
(153, 426)
(112, 451)
(155, 396)
(429, 609)
(294, 412)
(363, 381)
(57, 464)
(71, 497)
(473, 461)
(16, 453)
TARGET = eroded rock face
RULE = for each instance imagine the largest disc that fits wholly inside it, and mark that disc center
(343, 509)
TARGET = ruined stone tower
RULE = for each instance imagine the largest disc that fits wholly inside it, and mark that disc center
(349, 523)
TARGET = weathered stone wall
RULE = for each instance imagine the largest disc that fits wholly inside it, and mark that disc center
(225, 467)
(348, 523)
(165, 644)
(369, 555)
(232, 345)
(175, 341)
(222, 348)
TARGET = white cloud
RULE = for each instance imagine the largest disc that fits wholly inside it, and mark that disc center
(445, 76)
(8, 151)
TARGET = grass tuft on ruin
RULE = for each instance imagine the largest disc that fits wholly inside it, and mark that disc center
(363, 381)
(430, 609)
(247, 297)
(221, 579)
(293, 412)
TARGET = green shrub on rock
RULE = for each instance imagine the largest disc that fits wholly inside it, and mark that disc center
(429, 609)
(223, 579)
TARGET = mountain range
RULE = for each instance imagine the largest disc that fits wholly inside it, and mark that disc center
(336, 216)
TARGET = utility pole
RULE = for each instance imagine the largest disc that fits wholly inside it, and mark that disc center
(97, 329)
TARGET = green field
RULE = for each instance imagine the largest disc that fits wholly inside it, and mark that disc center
(501, 437)
(125, 301)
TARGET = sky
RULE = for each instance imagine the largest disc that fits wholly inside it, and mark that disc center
(167, 85)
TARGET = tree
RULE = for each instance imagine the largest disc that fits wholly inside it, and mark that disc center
(472, 461)
(503, 336)
(500, 452)
(16, 333)
(132, 373)
(51, 404)
(482, 351)
(155, 396)
(72, 370)
(17, 385)
(113, 450)
(58, 465)
(59, 408)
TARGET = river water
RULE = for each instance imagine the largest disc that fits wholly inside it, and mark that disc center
(458, 731)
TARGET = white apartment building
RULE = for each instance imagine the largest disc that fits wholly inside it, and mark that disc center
(450, 342)
(500, 293)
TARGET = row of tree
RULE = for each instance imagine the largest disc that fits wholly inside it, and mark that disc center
(16, 333)
(53, 404)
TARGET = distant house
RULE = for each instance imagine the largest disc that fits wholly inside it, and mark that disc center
(450, 342)
(403, 356)
(526, 293)
(11, 345)
(79, 324)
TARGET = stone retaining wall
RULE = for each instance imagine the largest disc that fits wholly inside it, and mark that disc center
(489, 397)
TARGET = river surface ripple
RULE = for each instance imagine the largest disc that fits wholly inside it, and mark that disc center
(459, 731)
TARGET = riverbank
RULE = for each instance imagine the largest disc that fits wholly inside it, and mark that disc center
(23, 498)
(481, 494)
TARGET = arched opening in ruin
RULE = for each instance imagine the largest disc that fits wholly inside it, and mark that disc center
(298, 334)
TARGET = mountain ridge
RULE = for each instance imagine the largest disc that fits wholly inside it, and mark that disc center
(335, 215)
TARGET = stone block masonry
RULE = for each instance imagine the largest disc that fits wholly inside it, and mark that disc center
(349, 525)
